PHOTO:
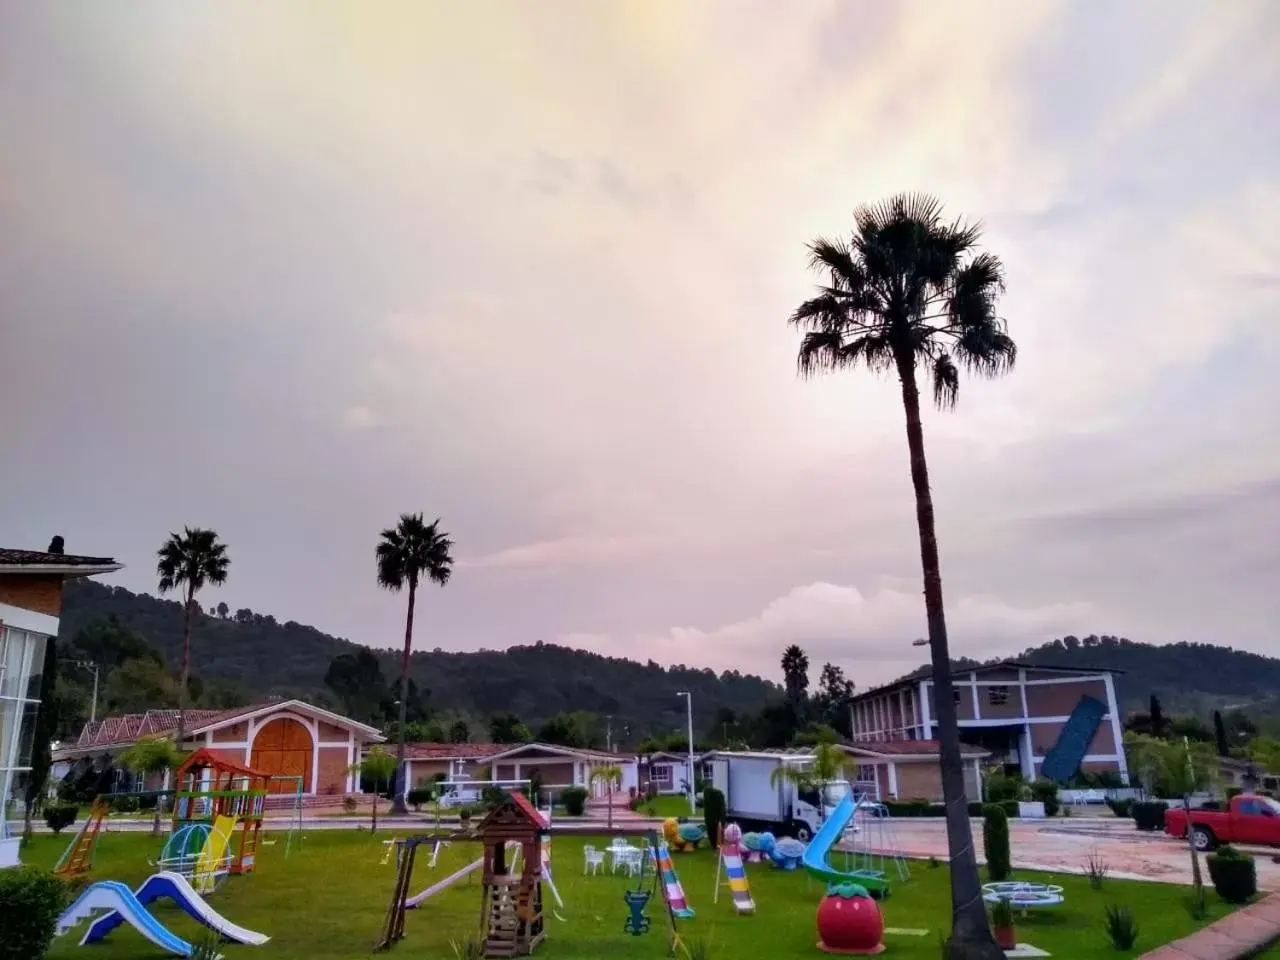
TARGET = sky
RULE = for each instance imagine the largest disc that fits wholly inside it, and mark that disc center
(291, 270)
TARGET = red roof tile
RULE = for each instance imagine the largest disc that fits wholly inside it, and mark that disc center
(453, 751)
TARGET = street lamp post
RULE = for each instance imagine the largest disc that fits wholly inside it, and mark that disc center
(688, 696)
(89, 665)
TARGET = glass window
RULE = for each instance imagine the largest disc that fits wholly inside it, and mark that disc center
(997, 696)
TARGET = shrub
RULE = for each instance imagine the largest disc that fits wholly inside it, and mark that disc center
(1149, 815)
(1046, 791)
(535, 785)
(574, 800)
(31, 901)
(1096, 869)
(1197, 908)
(60, 815)
(349, 804)
(1001, 914)
(1001, 787)
(995, 837)
(148, 801)
(208, 947)
(1234, 874)
(1122, 929)
(492, 796)
(470, 947)
(125, 804)
(1233, 792)
(713, 813)
(418, 796)
(1121, 807)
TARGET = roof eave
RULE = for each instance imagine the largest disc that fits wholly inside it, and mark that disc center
(68, 571)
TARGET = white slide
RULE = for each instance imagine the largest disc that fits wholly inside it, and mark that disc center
(195, 905)
(444, 884)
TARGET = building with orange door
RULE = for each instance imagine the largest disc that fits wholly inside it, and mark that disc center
(287, 739)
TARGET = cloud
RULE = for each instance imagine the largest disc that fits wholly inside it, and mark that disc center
(868, 634)
(359, 417)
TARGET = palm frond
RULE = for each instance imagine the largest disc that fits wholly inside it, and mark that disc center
(412, 550)
(946, 382)
(835, 258)
(192, 558)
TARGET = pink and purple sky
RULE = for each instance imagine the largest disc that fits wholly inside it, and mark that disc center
(290, 270)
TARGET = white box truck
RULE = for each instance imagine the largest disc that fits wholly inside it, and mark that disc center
(755, 803)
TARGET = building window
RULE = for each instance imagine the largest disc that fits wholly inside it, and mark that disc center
(21, 664)
(955, 695)
(997, 696)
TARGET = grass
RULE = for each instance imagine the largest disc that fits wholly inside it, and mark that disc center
(328, 901)
(669, 806)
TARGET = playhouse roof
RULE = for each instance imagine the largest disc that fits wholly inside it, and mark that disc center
(518, 804)
(209, 758)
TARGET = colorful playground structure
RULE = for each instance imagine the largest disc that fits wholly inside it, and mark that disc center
(123, 905)
(874, 850)
(516, 862)
(734, 870)
(219, 795)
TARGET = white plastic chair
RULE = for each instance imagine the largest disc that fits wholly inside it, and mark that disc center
(630, 860)
(592, 860)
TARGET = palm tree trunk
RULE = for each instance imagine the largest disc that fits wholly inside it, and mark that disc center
(608, 798)
(186, 669)
(374, 827)
(397, 802)
(970, 934)
(1197, 880)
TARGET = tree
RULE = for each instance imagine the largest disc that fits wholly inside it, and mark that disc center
(357, 681)
(187, 562)
(835, 694)
(1220, 735)
(46, 724)
(1156, 717)
(380, 767)
(1176, 768)
(222, 609)
(406, 554)
(148, 757)
(911, 291)
(139, 685)
(508, 728)
(609, 774)
(459, 731)
(795, 676)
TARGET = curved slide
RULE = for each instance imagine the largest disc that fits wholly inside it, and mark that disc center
(815, 856)
(174, 886)
(115, 896)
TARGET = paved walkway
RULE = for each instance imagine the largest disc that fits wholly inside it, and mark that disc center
(1241, 934)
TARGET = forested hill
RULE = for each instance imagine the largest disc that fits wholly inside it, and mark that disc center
(1187, 677)
(536, 682)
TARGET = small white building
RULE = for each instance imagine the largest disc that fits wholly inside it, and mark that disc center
(556, 767)
(667, 772)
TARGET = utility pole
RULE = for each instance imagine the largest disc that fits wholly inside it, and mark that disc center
(693, 803)
(88, 665)
(608, 733)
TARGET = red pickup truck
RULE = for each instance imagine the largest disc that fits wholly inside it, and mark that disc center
(1248, 819)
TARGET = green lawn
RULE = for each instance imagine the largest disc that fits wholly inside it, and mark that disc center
(328, 901)
(675, 806)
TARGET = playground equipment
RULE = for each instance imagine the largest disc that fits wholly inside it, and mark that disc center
(683, 837)
(1023, 895)
(751, 846)
(78, 857)
(868, 860)
(731, 861)
(216, 791)
(849, 922)
(172, 886)
(125, 906)
(785, 852)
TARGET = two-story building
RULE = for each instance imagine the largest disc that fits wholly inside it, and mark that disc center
(30, 606)
(1015, 711)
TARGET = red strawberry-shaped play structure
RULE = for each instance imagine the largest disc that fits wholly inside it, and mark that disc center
(849, 922)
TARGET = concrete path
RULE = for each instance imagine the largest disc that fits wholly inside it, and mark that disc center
(1239, 935)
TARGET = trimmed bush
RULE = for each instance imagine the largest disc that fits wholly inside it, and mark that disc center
(713, 813)
(1122, 807)
(995, 838)
(31, 901)
(59, 816)
(418, 796)
(1149, 815)
(1122, 929)
(125, 804)
(574, 800)
(1234, 874)
(1046, 791)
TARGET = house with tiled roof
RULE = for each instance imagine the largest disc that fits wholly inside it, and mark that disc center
(296, 743)
(556, 767)
(31, 584)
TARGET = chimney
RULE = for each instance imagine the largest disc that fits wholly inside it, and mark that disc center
(55, 546)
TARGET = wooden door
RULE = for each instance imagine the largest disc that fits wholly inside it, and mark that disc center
(283, 748)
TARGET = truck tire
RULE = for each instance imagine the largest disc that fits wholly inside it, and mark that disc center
(1202, 839)
(801, 832)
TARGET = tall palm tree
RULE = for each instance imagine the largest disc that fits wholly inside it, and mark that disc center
(911, 292)
(610, 774)
(187, 562)
(407, 554)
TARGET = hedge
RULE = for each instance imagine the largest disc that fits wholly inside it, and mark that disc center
(925, 808)
(995, 840)
(1149, 815)
(713, 808)
(1234, 874)
(31, 901)
(574, 800)
(60, 815)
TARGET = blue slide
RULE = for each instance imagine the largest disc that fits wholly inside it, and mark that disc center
(175, 887)
(815, 856)
(1062, 762)
(115, 896)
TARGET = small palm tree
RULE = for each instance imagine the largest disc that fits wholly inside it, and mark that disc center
(910, 291)
(1175, 768)
(609, 774)
(148, 757)
(829, 765)
(407, 554)
(187, 562)
(380, 767)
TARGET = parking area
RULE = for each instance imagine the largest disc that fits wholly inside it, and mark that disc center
(1067, 845)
